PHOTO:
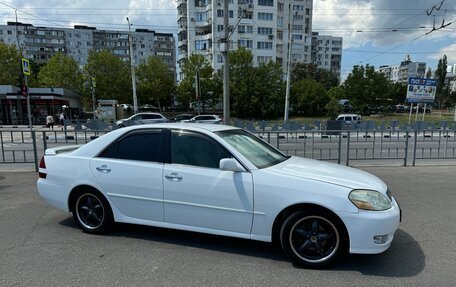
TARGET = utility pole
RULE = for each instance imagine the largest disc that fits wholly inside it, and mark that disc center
(93, 85)
(133, 76)
(290, 44)
(224, 47)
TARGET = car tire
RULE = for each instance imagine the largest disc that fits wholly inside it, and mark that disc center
(92, 212)
(313, 238)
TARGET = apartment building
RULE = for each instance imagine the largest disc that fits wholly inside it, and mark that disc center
(407, 68)
(41, 43)
(327, 52)
(263, 29)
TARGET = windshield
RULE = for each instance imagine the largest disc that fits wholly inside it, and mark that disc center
(254, 149)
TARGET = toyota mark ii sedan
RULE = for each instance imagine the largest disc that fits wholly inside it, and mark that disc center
(221, 180)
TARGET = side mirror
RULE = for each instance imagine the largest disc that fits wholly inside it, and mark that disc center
(230, 164)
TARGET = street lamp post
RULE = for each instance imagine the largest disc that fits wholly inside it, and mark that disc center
(133, 77)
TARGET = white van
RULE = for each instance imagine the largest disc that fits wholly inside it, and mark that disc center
(349, 119)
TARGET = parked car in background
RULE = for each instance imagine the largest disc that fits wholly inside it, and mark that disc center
(141, 119)
(346, 105)
(220, 180)
(421, 110)
(402, 109)
(204, 119)
(349, 119)
(182, 117)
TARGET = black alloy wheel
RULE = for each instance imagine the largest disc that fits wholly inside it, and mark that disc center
(92, 213)
(312, 239)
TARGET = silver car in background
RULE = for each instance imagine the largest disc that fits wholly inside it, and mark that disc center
(142, 119)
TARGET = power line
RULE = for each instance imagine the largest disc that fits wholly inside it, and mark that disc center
(12, 7)
(394, 53)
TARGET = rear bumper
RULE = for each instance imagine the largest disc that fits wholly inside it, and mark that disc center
(365, 225)
(53, 194)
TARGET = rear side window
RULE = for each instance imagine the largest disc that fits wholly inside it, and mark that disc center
(143, 146)
(148, 117)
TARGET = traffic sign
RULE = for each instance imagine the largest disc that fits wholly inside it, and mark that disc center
(26, 66)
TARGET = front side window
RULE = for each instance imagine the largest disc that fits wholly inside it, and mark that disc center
(258, 152)
(195, 149)
(142, 146)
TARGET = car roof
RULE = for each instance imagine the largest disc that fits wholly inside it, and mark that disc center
(187, 126)
(206, 115)
(348, 115)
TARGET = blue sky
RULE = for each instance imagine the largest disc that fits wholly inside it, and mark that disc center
(375, 32)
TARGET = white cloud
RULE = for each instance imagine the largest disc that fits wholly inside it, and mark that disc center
(449, 51)
(378, 19)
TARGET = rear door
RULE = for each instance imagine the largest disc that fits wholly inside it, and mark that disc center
(130, 173)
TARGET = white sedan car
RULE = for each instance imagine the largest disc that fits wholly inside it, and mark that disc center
(221, 180)
(142, 119)
(204, 119)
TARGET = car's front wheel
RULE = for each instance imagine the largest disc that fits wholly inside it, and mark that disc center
(92, 212)
(313, 238)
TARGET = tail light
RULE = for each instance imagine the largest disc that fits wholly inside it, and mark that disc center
(42, 171)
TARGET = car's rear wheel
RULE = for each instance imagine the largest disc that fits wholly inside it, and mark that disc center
(313, 238)
(92, 212)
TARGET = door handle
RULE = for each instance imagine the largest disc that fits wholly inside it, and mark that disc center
(173, 177)
(104, 168)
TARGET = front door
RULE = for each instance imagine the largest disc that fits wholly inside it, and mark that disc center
(198, 193)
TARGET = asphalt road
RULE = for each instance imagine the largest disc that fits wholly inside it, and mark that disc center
(41, 246)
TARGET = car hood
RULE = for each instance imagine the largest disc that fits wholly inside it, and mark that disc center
(330, 173)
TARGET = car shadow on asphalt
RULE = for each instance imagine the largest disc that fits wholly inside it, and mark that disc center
(404, 258)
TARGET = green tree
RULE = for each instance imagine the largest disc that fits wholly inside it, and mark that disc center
(442, 97)
(10, 63)
(309, 97)
(112, 76)
(398, 93)
(268, 97)
(61, 71)
(333, 107)
(303, 71)
(367, 89)
(155, 82)
(242, 81)
(429, 73)
(208, 83)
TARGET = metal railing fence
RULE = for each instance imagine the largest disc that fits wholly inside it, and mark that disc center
(342, 146)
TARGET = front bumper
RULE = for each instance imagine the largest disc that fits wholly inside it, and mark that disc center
(363, 226)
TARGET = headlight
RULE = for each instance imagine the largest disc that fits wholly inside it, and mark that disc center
(369, 200)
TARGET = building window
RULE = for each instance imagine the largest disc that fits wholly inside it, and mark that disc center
(280, 35)
(298, 8)
(246, 44)
(220, 13)
(280, 21)
(220, 28)
(264, 59)
(298, 17)
(201, 16)
(297, 37)
(264, 31)
(265, 16)
(264, 45)
(279, 7)
(202, 45)
(269, 3)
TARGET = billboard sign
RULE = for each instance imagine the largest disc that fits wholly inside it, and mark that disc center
(421, 90)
